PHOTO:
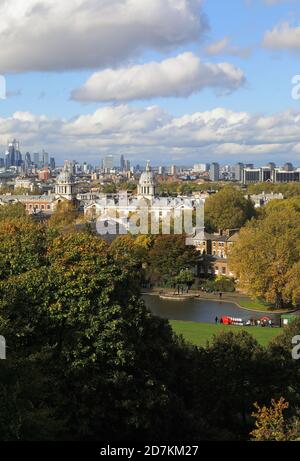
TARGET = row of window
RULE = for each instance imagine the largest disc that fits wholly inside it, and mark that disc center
(38, 207)
(221, 270)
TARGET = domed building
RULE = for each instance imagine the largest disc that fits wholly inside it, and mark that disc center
(147, 185)
(65, 186)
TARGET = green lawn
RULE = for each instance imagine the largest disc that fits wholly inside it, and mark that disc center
(255, 305)
(200, 333)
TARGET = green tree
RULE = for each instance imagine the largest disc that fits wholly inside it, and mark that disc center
(23, 246)
(185, 278)
(102, 365)
(286, 375)
(169, 256)
(13, 211)
(228, 209)
(237, 373)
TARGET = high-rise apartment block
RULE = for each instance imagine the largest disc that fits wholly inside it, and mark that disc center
(214, 172)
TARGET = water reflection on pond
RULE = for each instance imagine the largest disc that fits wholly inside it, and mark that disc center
(195, 310)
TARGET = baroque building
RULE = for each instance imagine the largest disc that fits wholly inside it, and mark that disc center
(120, 208)
(45, 204)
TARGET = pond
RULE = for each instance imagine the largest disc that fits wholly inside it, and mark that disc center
(203, 311)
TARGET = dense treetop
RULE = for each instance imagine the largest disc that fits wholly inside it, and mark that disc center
(228, 209)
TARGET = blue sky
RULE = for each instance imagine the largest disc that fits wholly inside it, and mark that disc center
(46, 89)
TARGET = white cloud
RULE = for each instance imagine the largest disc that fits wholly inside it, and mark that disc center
(283, 37)
(51, 35)
(179, 77)
(151, 132)
(224, 47)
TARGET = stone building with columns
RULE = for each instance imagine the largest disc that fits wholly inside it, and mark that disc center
(120, 207)
(45, 204)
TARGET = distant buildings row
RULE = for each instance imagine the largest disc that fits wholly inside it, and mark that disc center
(243, 173)
(270, 173)
(249, 174)
(13, 158)
(109, 164)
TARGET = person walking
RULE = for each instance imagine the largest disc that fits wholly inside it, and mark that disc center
(217, 320)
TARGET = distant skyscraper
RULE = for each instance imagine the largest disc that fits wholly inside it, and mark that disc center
(28, 162)
(239, 172)
(45, 159)
(127, 165)
(36, 159)
(122, 163)
(108, 162)
(173, 170)
(214, 172)
(52, 163)
(13, 155)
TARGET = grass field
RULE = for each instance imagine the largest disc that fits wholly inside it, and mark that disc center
(199, 333)
(254, 305)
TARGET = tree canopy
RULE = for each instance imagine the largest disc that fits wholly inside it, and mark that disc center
(169, 256)
(266, 256)
(228, 209)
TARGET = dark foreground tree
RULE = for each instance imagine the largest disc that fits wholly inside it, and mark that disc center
(236, 373)
(102, 366)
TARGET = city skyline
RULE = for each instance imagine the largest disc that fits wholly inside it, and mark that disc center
(13, 156)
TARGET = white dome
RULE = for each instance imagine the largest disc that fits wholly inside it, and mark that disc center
(65, 178)
(147, 179)
(147, 184)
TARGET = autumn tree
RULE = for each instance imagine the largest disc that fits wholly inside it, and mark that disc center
(64, 217)
(266, 257)
(272, 424)
(228, 209)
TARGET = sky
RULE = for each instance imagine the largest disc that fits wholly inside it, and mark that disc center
(173, 81)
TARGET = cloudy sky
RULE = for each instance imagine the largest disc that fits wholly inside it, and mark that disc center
(174, 81)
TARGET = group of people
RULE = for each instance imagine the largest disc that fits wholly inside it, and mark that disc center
(219, 321)
(252, 323)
